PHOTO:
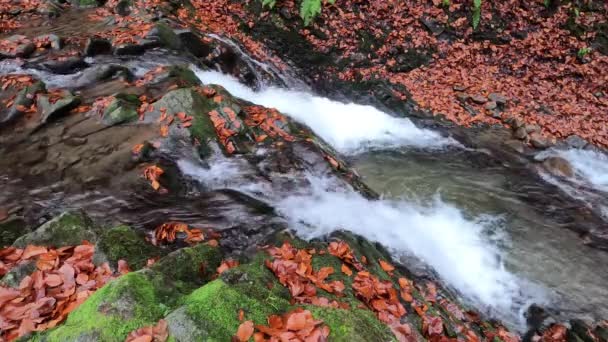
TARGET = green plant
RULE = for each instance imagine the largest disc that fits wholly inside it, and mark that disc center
(582, 52)
(309, 9)
(446, 3)
(476, 13)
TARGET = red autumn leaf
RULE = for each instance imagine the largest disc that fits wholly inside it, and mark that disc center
(386, 266)
(346, 270)
(245, 331)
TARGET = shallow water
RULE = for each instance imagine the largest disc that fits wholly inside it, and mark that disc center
(534, 245)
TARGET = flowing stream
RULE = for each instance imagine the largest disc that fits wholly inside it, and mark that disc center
(475, 228)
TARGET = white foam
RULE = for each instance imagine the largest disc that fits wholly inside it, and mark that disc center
(439, 235)
(347, 127)
(590, 166)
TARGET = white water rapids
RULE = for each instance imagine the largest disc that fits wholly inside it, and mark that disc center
(439, 235)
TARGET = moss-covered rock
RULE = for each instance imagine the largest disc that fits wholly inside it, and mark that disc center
(85, 3)
(51, 110)
(14, 276)
(352, 325)
(123, 305)
(67, 229)
(184, 270)
(10, 230)
(122, 109)
(25, 98)
(124, 243)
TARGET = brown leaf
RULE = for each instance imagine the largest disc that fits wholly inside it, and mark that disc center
(245, 331)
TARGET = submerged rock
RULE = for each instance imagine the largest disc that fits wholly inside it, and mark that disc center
(558, 166)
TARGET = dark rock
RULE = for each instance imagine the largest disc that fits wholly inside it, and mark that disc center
(498, 98)
(129, 49)
(85, 3)
(538, 141)
(558, 166)
(462, 97)
(123, 8)
(53, 110)
(479, 99)
(21, 47)
(515, 145)
(97, 46)
(459, 88)
(284, 12)
(63, 67)
(193, 43)
(574, 141)
(520, 133)
(55, 40)
(101, 73)
(490, 105)
(25, 98)
(164, 34)
(50, 9)
(581, 330)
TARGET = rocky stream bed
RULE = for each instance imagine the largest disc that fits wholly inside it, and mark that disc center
(160, 184)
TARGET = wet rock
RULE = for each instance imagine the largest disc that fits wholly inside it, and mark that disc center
(20, 47)
(479, 99)
(520, 133)
(32, 156)
(68, 229)
(55, 41)
(558, 166)
(101, 73)
(165, 35)
(515, 145)
(129, 49)
(64, 66)
(123, 8)
(123, 109)
(539, 141)
(25, 98)
(193, 43)
(97, 46)
(498, 98)
(51, 110)
(574, 141)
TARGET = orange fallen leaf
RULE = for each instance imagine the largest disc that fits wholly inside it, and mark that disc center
(245, 331)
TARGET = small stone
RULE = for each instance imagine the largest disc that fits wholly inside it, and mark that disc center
(574, 141)
(97, 46)
(479, 99)
(498, 98)
(462, 97)
(598, 94)
(520, 133)
(532, 128)
(517, 123)
(558, 166)
(538, 141)
(459, 87)
(55, 40)
(490, 105)
(515, 145)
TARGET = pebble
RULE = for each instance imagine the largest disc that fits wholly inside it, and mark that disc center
(498, 98)
(479, 99)
(491, 105)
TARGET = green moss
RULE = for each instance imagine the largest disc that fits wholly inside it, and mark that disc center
(68, 229)
(122, 109)
(120, 307)
(122, 242)
(184, 75)
(10, 231)
(352, 325)
(184, 270)
(216, 305)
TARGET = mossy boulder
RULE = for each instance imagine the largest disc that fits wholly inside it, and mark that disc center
(124, 243)
(123, 305)
(24, 98)
(122, 109)
(10, 230)
(67, 229)
(85, 3)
